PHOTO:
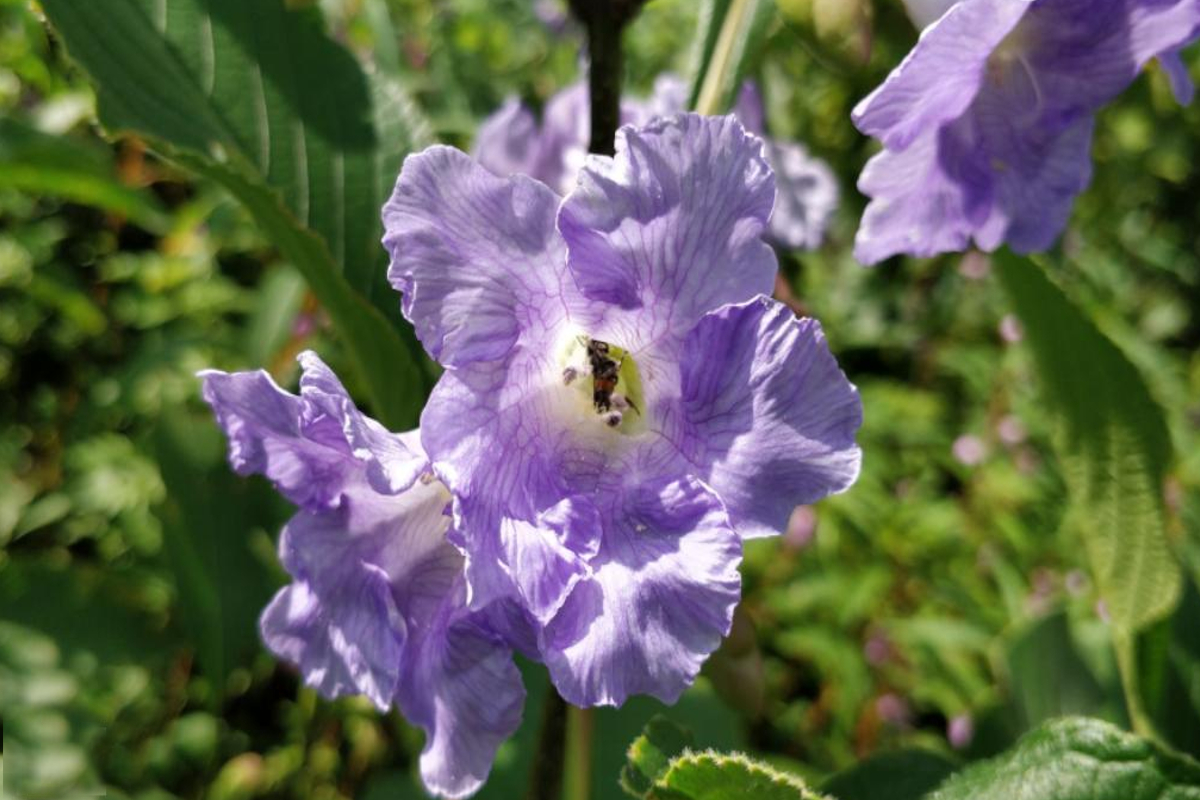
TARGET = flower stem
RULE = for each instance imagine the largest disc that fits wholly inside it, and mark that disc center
(546, 777)
(604, 21)
(580, 725)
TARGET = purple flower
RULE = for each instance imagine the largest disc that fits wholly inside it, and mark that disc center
(622, 404)
(377, 603)
(511, 142)
(987, 124)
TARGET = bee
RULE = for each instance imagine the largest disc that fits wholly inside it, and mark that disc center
(606, 373)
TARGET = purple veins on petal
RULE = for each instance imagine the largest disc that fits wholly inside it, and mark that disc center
(377, 603)
(569, 427)
(987, 124)
(510, 142)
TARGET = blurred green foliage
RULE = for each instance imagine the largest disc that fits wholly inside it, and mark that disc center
(934, 606)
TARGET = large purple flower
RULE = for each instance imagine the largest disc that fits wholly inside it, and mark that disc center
(377, 603)
(622, 403)
(512, 142)
(987, 124)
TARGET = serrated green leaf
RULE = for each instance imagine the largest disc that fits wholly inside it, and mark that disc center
(718, 776)
(256, 97)
(902, 775)
(1113, 444)
(39, 163)
(650, 754)
(1078, 759)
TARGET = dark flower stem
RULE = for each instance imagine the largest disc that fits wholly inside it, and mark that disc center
(546, 777)
(604, 21)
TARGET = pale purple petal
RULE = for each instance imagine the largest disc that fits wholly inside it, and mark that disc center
(1003, 162)
(507, 142)
(1036, 186)
(671, 227)
(537, 562)
(476, 257)
(393, 463)
(308, 445)
(806, 196)
(770, 413)
(343, 643)
(940, 78)
(465, 691)
(748, 108)
(662, 597)
(927, 199)
(1177, 73)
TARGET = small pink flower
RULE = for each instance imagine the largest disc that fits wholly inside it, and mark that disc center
(1011, 330)
(969, 450)
(802, 527)
(1010, 430)
(960, 730)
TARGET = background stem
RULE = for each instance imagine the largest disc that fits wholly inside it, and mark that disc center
(604, 21)
(546, 778)
(580, 725)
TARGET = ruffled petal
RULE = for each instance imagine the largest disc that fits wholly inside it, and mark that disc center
(661, 598)
(806, 196)
(670, 228)
(927, 199)
(393, 463)
(941, 76)
(346, 641)
(466, 693)
(507, 142)
(476, 256)
(770, 411)
(536, 562)
(308, 445)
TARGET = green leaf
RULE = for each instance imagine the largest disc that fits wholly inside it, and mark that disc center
(1169, 667)
(83, 610)
(75, 170)
(223, 581)
(730, 34)
(717, 776)
(1113, 442)
(1048, 677)
(650, 754)
(1078, 759)
(257, 98)
(901, 775)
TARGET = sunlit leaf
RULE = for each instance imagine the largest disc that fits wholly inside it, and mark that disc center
(257, 98)
(1078, 759)
(1113, 445)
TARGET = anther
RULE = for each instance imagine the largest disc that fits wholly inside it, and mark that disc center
(569, 375)
(613, 419)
